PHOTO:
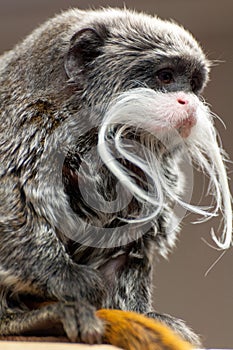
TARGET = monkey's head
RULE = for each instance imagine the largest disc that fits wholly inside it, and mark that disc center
(136, 80)
(116, 50)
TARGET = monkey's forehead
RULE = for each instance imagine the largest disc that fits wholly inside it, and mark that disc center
(140, 31)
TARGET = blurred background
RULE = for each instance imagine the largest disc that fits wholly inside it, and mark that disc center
(181, 287)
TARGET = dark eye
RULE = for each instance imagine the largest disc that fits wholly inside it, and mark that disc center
(165, 76)
(194, 83)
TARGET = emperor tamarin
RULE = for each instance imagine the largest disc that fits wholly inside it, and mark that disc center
(97, 108)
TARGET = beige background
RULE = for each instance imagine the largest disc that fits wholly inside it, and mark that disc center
(181, 288)
(52, 346)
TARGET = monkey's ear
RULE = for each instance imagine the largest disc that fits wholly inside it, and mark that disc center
(85, 46)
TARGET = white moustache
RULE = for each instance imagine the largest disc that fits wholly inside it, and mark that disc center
(176, 119)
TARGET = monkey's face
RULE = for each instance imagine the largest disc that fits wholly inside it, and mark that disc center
(113, 56)
(144, 77)
(126, 51)
(119, 51)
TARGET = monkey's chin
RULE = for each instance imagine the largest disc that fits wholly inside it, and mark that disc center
(184, 132)
(186, 126)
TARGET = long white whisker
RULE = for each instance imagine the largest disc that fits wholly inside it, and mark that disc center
(215, 262)
(145, 110)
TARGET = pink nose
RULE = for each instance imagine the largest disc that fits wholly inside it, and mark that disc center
(182, 101)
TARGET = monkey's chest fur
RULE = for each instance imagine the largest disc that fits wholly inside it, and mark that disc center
(114, 245)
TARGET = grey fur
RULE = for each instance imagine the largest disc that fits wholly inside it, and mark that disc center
(54, 89)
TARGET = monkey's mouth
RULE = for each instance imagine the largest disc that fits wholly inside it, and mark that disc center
(185, 126)
(180, 126)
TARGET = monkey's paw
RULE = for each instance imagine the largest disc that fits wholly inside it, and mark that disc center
(80, 322)
(76, 321)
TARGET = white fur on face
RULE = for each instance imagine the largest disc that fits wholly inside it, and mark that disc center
(176, 119)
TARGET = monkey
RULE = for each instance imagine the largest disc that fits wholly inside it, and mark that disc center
(98, 108)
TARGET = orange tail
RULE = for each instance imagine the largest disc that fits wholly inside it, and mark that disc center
(132, 331)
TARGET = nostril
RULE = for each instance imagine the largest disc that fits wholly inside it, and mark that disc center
(182, 102)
